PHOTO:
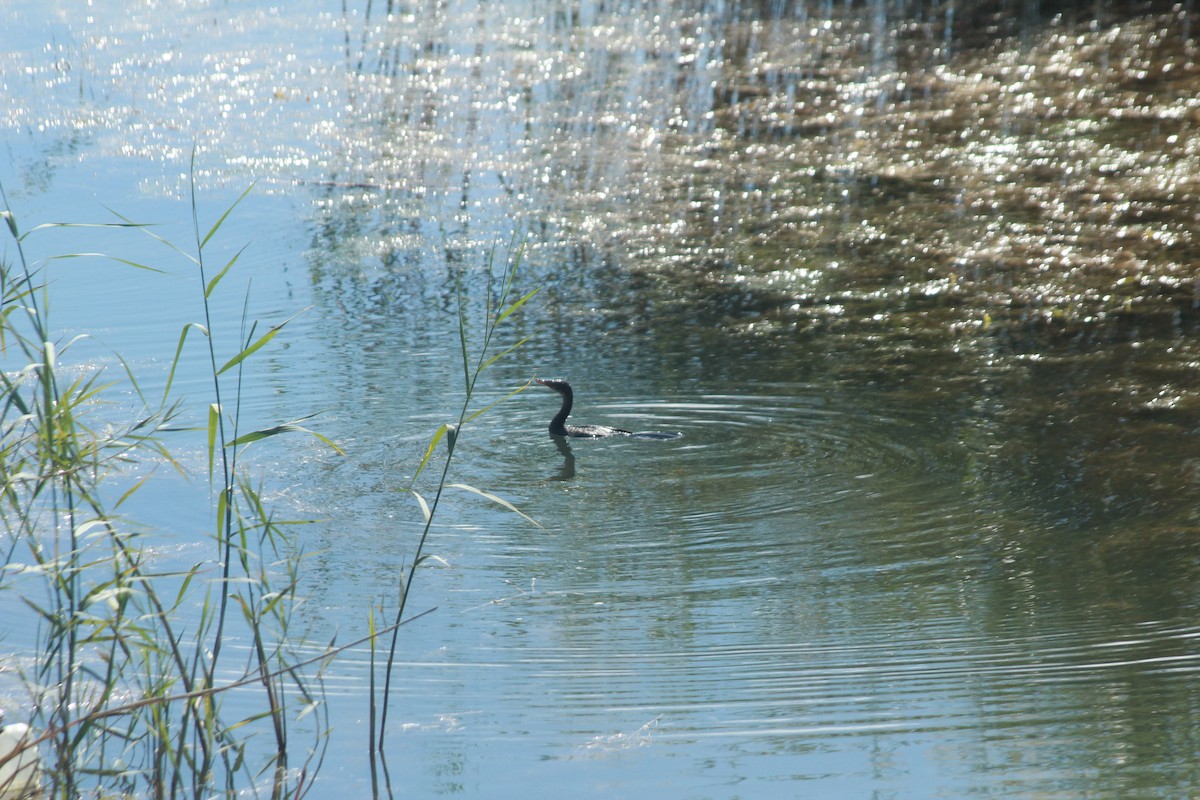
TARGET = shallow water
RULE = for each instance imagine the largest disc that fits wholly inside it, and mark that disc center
(918, 289)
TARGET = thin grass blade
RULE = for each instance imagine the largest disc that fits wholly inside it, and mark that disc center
(134, 488)
(426, 513)
(522, 301)
(287, 427)
(221, 220)
(502, 354)
(487, 408)
(212, 284)
(495, 499)
(214, 421)
(438, 435)
(178, 350)
(107, 257)
(256, 346)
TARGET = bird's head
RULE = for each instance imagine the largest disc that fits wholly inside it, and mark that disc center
(558, 385)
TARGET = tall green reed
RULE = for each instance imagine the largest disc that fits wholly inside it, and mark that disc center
(129, 700)
(503, 300)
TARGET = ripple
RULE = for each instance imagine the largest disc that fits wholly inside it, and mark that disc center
(777, 454)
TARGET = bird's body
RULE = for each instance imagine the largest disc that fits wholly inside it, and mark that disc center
(559, 426)
(592, 431)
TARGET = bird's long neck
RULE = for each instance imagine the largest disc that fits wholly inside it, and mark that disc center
(557, 425)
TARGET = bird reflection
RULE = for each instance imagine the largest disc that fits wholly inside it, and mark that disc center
(567, 471)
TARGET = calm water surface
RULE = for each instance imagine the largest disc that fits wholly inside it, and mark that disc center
(917, 286)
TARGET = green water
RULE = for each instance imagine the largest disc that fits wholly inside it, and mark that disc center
(918, 287)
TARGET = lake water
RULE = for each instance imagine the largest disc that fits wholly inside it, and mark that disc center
(917, 285)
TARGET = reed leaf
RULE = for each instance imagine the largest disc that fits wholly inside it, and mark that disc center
(212, 284)
(425, 512)
(495, 499)
(517, 305)
(503, 353)
(133, 489)
(214, 421)
(255, 346)
(221, 220)
(490, 406)
(106, 257)
(438, 435)
(178, 352)
(287, 427)
(187, 580)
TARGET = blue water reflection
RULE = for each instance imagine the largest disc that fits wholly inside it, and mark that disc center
(930, 528)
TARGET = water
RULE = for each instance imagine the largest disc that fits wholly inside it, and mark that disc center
(916, 285)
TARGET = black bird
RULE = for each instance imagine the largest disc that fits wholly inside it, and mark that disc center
(559, 426)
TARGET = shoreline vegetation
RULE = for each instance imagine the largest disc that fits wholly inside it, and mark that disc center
(123, 699)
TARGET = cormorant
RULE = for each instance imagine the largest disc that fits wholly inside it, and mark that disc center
(559, 426)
